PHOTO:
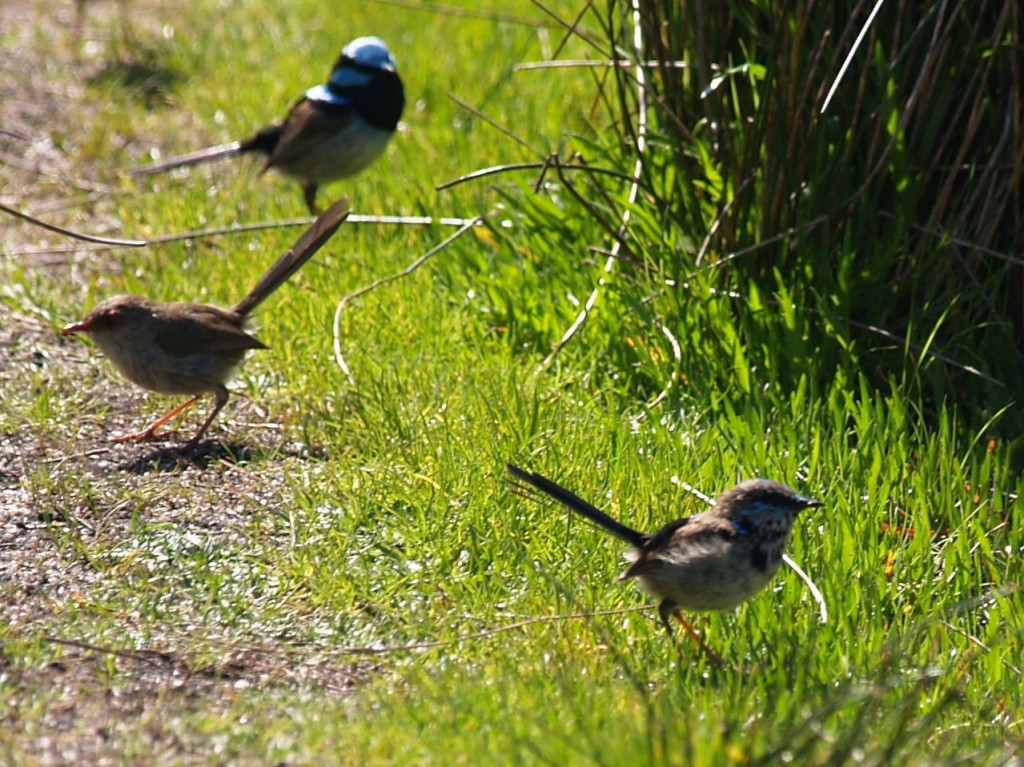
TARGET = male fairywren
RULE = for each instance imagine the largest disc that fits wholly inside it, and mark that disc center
(334, 131)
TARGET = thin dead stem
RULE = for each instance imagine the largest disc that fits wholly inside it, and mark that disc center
(338, 356)
(259, 226)
(495, 124)
(469, 13)
(73, 234)
(641, 146)
(159, 657)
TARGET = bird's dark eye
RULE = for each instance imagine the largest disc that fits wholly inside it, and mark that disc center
(107, 319)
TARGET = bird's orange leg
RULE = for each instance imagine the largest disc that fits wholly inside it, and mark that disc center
(222, 398)
(150, 431)
(715, 657)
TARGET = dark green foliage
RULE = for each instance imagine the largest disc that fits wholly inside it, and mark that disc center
(881, 236)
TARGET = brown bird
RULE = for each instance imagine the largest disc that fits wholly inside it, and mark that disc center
(185, 348)
(334, 131)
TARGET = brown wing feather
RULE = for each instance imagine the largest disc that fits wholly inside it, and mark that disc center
(307, 126)
(194, 327)
(686, 533)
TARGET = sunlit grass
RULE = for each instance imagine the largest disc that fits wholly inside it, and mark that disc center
(392, 543)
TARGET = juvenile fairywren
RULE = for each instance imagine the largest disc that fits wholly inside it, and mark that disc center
(714, 560)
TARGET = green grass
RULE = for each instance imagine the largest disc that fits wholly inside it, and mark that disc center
(388, 550)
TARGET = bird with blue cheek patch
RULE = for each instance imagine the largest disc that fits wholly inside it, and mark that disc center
(334, 131)
(714, 560)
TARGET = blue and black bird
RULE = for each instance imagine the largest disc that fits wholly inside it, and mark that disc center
(714, 560)
(334, 131)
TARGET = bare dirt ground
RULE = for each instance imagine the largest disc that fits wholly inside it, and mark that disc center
(63, 708)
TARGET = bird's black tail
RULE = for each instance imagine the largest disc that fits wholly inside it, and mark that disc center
(193, 158)
(578, 505)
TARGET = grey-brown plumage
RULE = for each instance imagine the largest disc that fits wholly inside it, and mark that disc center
(710, 561)
(189, 348)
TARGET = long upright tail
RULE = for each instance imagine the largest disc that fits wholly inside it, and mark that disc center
(309, 243)
(193, 158)
(578, 505)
